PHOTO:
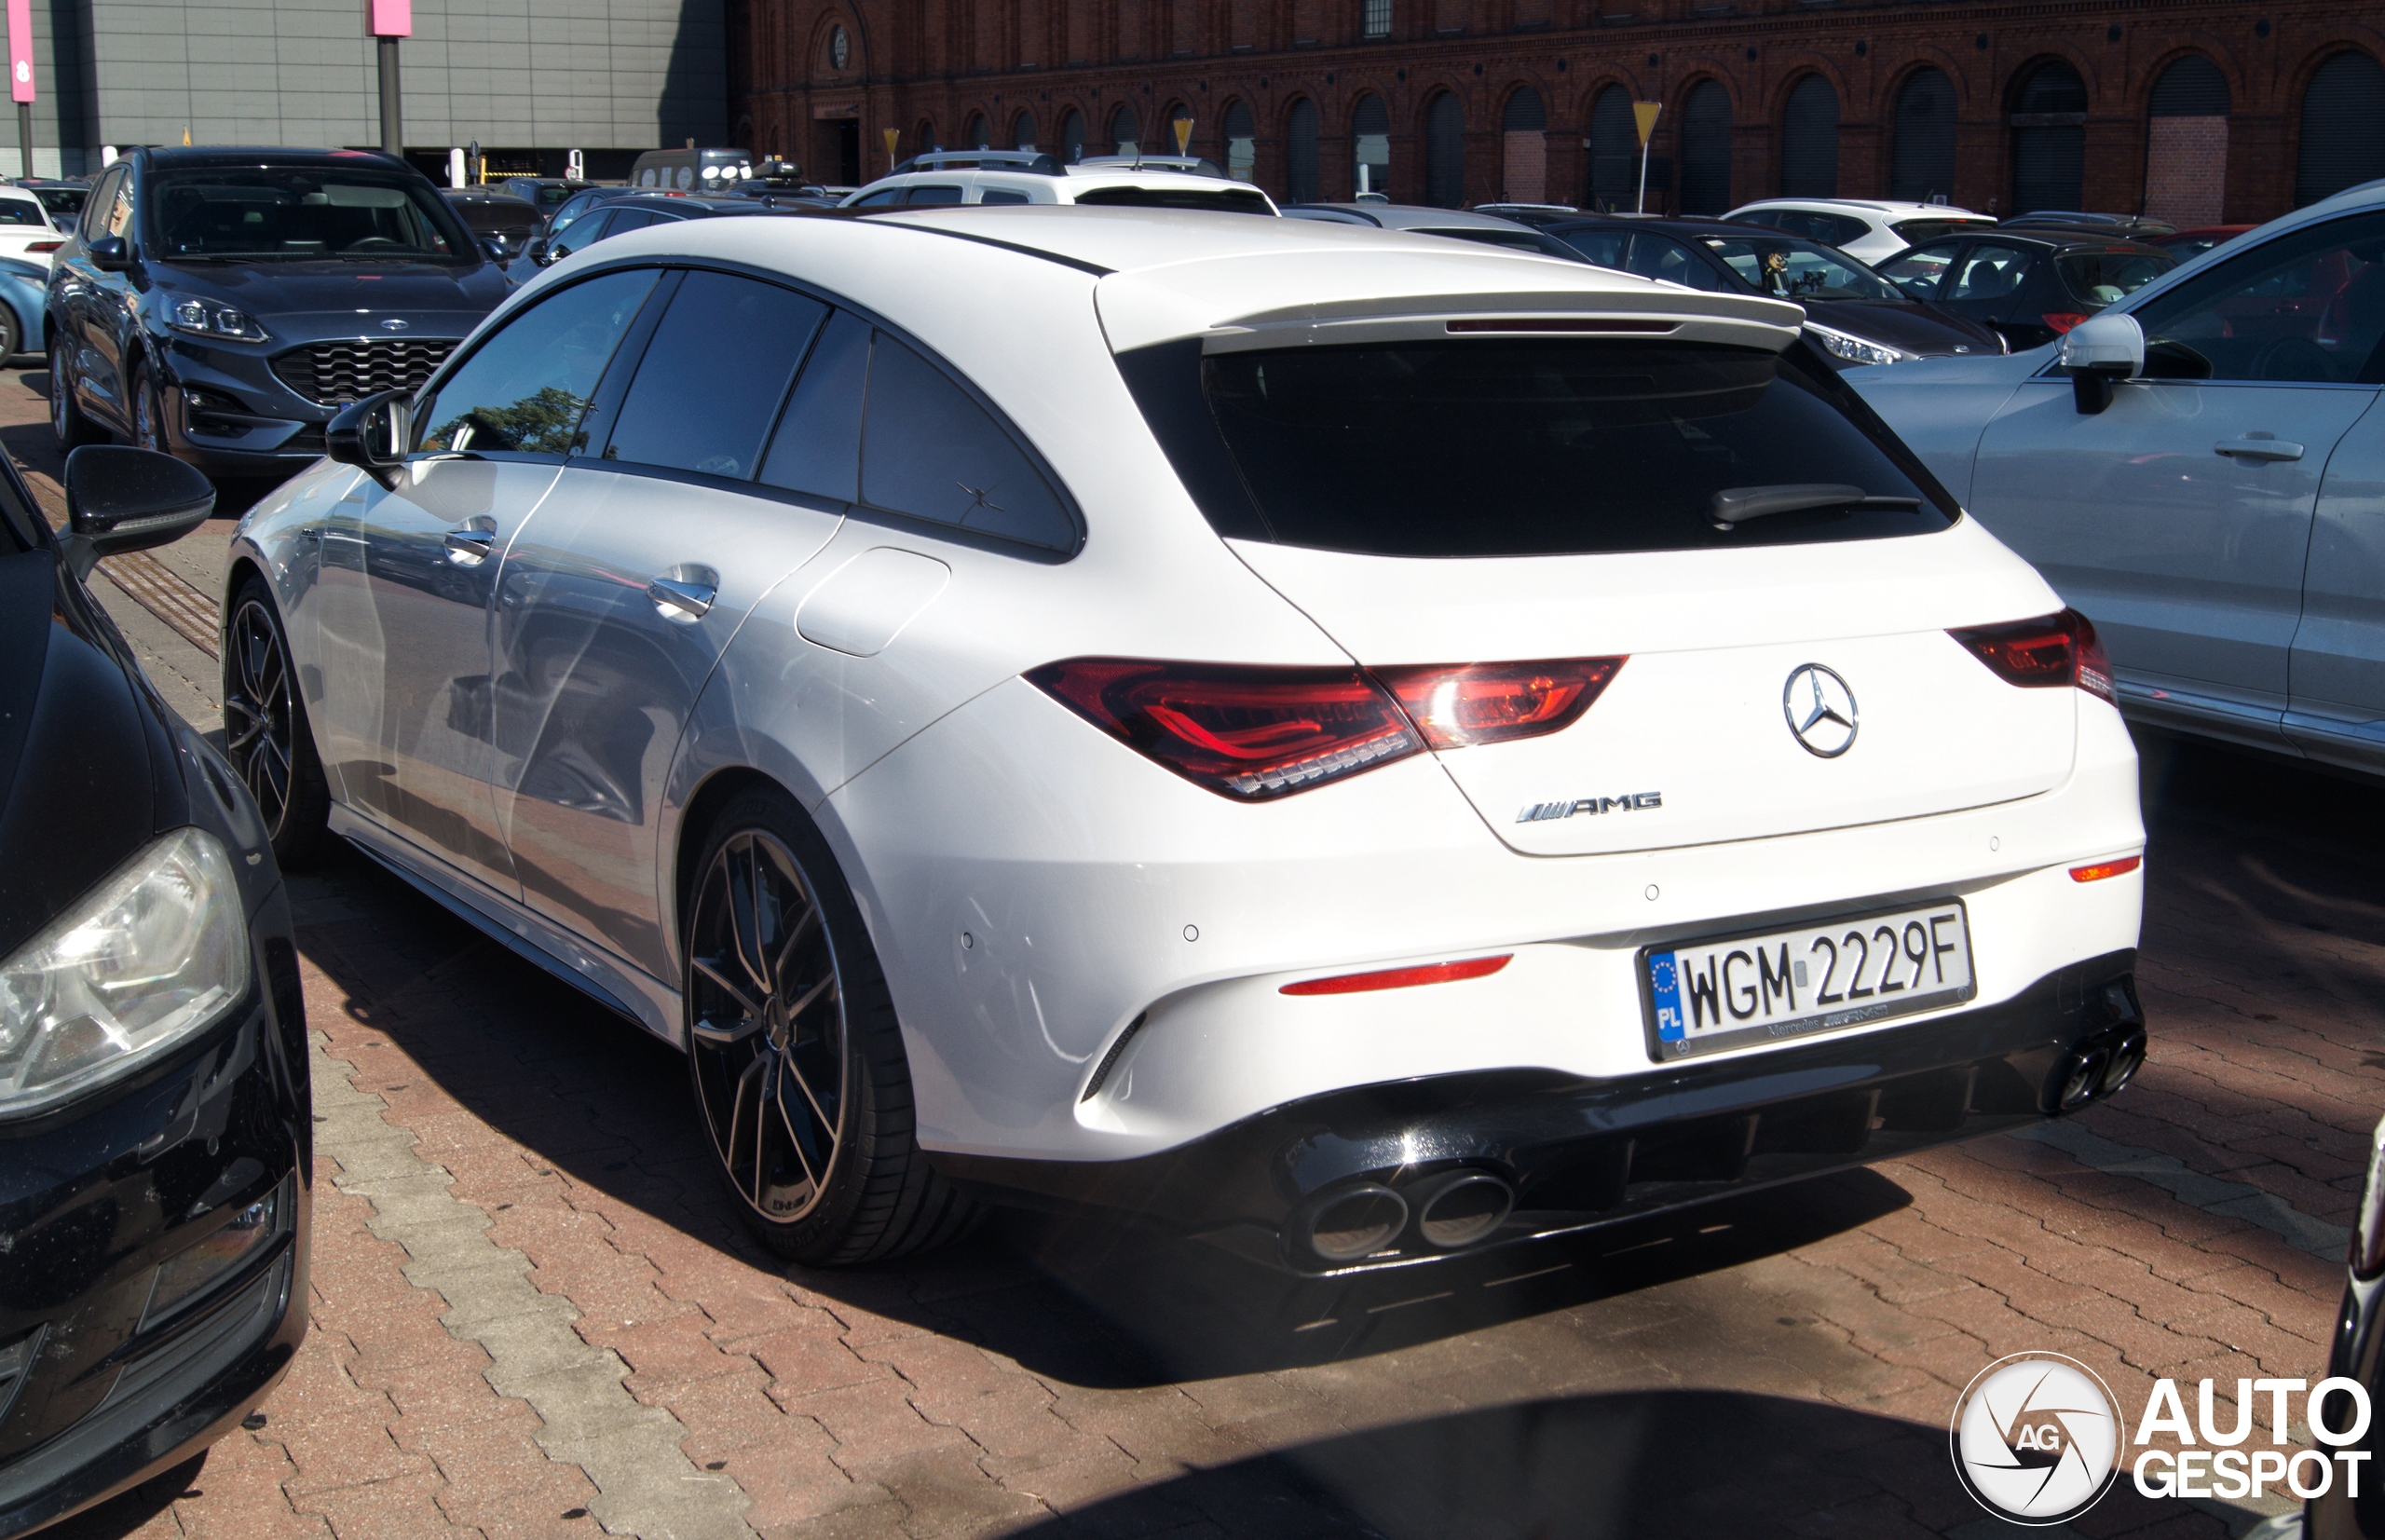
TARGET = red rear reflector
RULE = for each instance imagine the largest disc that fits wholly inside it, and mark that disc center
(1244, 732)
(2044, 653)
(2103, 869)
(1560, 323)
(2063, 320)
(1492, 702)
(1400, 978)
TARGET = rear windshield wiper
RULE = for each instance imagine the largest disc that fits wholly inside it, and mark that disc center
(1735, 505)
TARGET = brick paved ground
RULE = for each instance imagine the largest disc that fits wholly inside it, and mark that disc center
(535, 1315)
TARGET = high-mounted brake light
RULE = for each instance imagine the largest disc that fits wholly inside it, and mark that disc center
(1492, 702)
(2103, 869)
(2048, 652)
(1399, 978)
(1245, 732)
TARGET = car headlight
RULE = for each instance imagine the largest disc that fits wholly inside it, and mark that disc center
(2368, 1229)
(1853, 350)
(206, 319)
(154, 954)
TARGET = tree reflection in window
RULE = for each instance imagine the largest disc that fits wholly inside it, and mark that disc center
(524, 389)
(542, 425)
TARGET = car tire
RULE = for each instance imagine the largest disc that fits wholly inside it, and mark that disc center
(794, 1053)
(265, 733)
(67, 423)
(148, 410)
(12, 336)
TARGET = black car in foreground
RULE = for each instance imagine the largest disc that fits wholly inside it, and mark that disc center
(1852, 314)
(221, 305)
(155, 1127)
(2031, 285)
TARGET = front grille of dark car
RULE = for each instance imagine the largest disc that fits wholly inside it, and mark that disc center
(333, 373)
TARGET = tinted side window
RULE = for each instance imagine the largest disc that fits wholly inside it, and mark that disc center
(939, 192)
(885, 199)
(713, 376)
(1005, 195)
(1918, 272)
(1654, 256)
(2307, 307)
(817, 448)
(1604, 248)
(526, 387)
(1990, 271)
(99, 203)
(929, 451)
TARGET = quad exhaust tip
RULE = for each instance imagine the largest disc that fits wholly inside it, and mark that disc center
(1450, 1211)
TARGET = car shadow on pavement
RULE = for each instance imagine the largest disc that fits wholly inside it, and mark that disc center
(1088, 1302)
(1636, 1465)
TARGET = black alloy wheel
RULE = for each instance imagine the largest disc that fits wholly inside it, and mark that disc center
(67, 423)
(264, 730)
(797, 1065)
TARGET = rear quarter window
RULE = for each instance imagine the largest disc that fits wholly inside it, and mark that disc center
(1526, 447)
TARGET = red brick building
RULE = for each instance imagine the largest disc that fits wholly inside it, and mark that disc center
(2194, 109)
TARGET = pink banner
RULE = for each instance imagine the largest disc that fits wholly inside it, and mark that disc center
(390, 17)
(21, 50)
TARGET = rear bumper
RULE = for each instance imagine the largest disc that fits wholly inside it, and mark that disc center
(1575, 1153)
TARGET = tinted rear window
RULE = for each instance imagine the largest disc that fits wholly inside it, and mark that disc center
(1499, 448)
(2099, 277)
(1222, 200)
(1915, 231)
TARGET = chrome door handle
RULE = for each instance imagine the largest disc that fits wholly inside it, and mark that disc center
(679, 601)
(470, 547)
(2257, 449)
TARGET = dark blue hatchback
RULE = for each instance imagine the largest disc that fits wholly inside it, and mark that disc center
(221, 304)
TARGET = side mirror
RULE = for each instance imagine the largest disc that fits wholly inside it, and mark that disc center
(540, 252)
(495, 246)
(110, 254)
(2098, 353)
(120, 499)
(375, 434)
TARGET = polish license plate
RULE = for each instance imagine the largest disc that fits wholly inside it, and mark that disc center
(1734, 991)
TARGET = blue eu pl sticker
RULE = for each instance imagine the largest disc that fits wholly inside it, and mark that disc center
(1665, 985)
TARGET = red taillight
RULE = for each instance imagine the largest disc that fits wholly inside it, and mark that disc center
(1400, 978)
(44, 245)
(2051, 651)
(2063, 320)
(1492, 702)
(1244, 732)
(2103, 869)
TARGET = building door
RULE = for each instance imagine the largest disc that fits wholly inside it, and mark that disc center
(1706, 150)
(1445, 152)
(836, 153)
(1524, 148)
(2050, 140)
(2186, 144)
(1922, 161)
(2343, 129)
(1370, 144)
(1810, 141)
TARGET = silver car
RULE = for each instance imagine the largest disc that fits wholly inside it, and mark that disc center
(2200, 470)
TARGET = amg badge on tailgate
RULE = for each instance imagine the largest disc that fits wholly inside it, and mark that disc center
(1638, 801)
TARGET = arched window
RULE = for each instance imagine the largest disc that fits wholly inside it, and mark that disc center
(978, 137)
(2186, 144)
(1810, 141)
(1523, 148)
(1445, 152)
(2049, 139)
(925, 139)
(1241, 141)
(1022, 131)
(1072, 137)
(1370, 146)
(1705, 149)
(1300, 152)
(2343, 128)
(1123, 136)
(1615, 151)
(1179, 131)
(1921, 164)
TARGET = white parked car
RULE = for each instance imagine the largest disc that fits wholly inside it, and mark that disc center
(2208, 490)
(947, 177)
(1351, 744)
(1867, 229)
(26, 229)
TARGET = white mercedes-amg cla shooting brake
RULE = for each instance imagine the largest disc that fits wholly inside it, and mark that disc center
(1349, 746)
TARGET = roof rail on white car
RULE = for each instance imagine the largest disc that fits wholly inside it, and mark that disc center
(1007, 160)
